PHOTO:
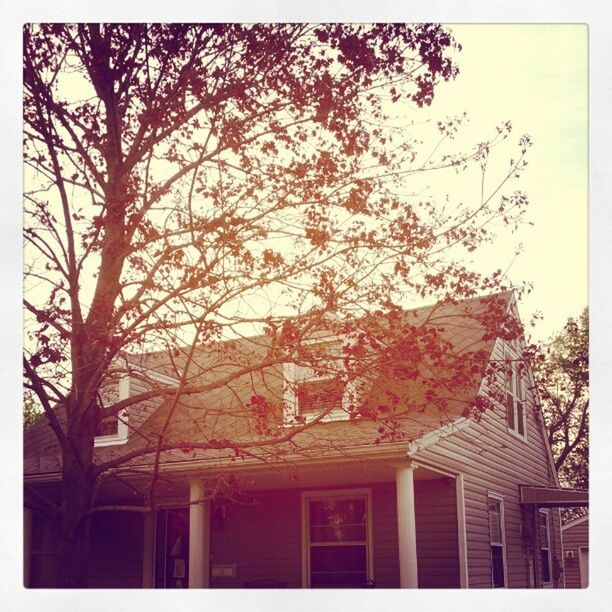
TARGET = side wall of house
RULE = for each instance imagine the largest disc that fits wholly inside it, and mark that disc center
(574, 538)
(495, 460)
(437, 533)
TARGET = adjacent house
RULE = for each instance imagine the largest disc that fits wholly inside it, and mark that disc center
(575, 536)
(452, 500)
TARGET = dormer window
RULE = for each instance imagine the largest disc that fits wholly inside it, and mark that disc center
(516, 417)
(320, 387)
(114, 429)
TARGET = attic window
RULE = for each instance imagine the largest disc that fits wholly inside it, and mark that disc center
(319, 387)
(114, 429)
(516, 417)
(315, 396)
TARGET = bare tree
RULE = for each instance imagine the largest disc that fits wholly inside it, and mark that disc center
(563, 382)
(188, 184)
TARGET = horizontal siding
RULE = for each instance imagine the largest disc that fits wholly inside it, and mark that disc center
(494, 460)
(263, 539)
(437, 533)
(574, 538)
(384, 533)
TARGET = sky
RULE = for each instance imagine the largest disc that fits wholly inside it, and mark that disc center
(535, 75)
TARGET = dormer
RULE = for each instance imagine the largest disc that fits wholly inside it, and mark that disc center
(321, 386)
(114, 429)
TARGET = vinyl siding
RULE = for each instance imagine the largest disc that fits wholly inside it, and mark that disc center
(437, 533)
(573, 538)
(262, 537)
(492, 459)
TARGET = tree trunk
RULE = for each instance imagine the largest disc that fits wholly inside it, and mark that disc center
(77, 496)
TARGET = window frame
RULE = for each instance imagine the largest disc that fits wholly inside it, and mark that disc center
(491, 495)
(121, 437)
(307, 497)
(291, 380)
(514, 385)
(545, 512)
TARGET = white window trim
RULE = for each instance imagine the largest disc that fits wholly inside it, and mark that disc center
(547, 514)
(335, 494)
(121, 437)
(508, 354)
(290, 400)
(502, 518)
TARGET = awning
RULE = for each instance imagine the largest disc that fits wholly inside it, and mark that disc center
(553, 497)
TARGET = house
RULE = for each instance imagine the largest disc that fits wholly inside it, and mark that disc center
(451, 500)
(575, 536)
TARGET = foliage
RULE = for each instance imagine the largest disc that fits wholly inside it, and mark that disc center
(563, 382)
(215, 179)
(31, 413)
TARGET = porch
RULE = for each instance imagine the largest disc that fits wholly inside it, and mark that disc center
(352, 524)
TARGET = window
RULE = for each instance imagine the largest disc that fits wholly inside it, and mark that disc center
(545, 560)
(495, 505)
(309, 391)
(515, 395)
(114, 429)
(172, 548)
(44, 551)
(337, 539)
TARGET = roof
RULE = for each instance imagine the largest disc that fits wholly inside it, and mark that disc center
(575, 522)
(554, 497)
(226, 412)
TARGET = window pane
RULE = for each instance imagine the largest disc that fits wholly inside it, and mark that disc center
(510, 410)
(519, 418)
(519, 381)
(319, 395)
(108, 427)
(326, 559)
(495, 534)
(172, 548)
(545, 565)
(497, 566)
(338, 580)
(334, 512)
(337, 533)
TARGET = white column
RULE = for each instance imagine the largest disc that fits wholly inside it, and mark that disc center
(27, 545)
(406, 526)
(462, 534)
(199, 537)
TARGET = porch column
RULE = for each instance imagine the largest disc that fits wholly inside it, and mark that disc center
(199, 536)
(406, 526)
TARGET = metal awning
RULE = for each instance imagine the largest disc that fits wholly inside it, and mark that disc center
(554, 497)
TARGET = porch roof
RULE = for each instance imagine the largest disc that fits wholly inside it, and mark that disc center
(554, 497)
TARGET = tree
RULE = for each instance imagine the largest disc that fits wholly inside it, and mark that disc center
(215, 179)
(31, 413)
(562, 376)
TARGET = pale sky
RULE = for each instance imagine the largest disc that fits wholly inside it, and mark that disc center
(536, 76)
